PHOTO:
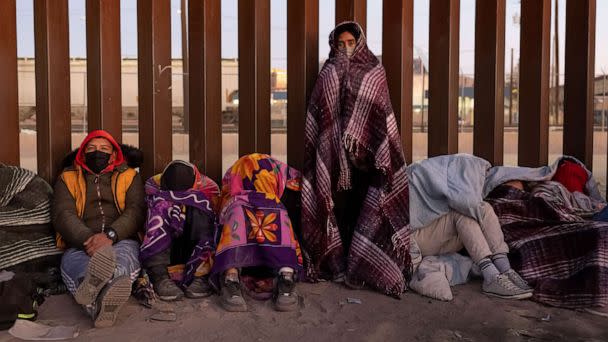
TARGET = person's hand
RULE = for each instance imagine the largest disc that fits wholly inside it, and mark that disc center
(175, 211)
(96, 242)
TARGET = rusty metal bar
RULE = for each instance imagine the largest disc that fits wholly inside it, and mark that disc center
(9, 129)
(185, 64)
(398, 60)
(302, 68)
(154, 69)
(534, 83)
(53, 123)
(579, 80)
(443, 77)
(205, 77)
(489, 80)
(104, 107)
(352, 10)
(254, 76)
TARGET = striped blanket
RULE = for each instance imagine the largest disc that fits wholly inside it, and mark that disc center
(25, 228)
(351, 131)
(564, 257)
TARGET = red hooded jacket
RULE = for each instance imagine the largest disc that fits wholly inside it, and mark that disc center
(80, 158)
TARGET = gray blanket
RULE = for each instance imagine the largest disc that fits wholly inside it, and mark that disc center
(440, 183)
(502, 174)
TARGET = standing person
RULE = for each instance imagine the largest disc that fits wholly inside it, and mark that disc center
(180, 230)
(98, 208)
(355, 202)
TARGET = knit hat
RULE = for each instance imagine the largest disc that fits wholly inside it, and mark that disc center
(572, 175)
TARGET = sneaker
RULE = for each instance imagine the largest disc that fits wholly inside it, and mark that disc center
(518, 280)
(111, 300)
(285, 297)
(503, 287)
(99, 271)
(232, 297)
(199, 288)
(167, 290)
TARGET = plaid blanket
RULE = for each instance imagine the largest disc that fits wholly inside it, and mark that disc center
(351, 129)
(564, 257)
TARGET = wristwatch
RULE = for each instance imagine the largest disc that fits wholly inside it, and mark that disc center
(111, 234)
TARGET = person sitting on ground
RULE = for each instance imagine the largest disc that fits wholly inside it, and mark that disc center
(257, 236)
(485, 243)
(97, 210)
(180, 230)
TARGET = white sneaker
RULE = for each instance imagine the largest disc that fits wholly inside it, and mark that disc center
(503, 287)
(518, 280)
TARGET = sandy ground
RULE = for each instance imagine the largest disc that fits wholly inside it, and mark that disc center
(325, 315)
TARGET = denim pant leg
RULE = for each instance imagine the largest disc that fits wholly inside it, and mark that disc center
(127, 259)
(74, 265)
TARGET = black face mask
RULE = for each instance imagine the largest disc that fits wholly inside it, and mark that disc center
(97, 161)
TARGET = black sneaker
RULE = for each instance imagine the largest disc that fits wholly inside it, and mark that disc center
(99, 272)
(167, 290)
(111, 300)
(199, 288)
(285, 297)
(232, 297)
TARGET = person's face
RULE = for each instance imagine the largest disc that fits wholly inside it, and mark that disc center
(102, 145)
(346, 40)
(517, 184)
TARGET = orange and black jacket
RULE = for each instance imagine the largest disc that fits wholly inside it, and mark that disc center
(84, 202)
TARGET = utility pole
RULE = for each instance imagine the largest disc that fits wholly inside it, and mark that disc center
(185, 68)
(556, 82)
(423, 93)
(511, 92)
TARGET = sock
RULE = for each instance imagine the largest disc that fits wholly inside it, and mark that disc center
(501, 262)
(232, 275)
(286, 270)
(488, 270)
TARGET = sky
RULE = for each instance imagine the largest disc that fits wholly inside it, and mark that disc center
(77, 27)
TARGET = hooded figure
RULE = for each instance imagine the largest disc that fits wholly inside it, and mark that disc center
(180, 231)
(97, 211)
(355, 202)
(257, 246)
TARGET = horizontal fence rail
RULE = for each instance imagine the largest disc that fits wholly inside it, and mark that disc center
(203, 78)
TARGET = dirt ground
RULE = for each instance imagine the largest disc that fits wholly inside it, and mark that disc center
(326, 315)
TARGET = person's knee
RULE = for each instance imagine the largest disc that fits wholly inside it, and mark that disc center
(487, 211)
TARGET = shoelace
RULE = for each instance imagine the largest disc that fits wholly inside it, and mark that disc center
(504, 281)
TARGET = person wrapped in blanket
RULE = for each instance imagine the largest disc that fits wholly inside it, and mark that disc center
(554, 227)
(355, 207)
(449, 214)
(567, 189)
(257, 239)
(178, 248)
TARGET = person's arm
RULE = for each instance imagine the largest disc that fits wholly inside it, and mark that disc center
(132, 217)
(65, 217)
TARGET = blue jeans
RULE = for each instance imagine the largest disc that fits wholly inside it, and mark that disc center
(75, 261)
(601, 216)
